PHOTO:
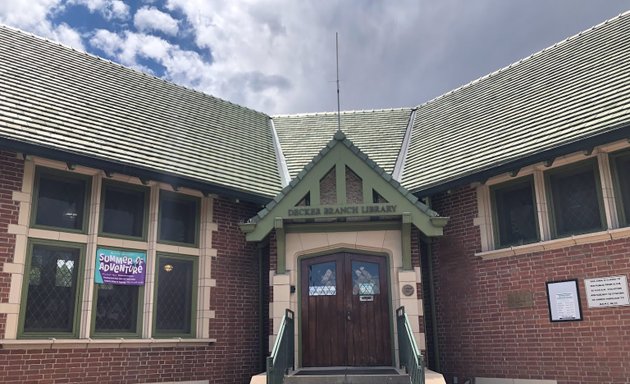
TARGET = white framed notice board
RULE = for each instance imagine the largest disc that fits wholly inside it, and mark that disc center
(563, 298)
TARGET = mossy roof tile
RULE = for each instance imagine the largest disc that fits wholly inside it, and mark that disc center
(378, 133)
(571, 91)
(57, 97)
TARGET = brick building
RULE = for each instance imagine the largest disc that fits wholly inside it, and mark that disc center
(151, 233)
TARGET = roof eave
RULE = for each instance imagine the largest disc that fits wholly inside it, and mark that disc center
(616, 133)
(131, 170)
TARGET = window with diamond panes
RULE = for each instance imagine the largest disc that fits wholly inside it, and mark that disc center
(51, 290)
(124, 210)
(365, 278)
(175, 302)
(575, 199)
(322, 279)
(620, 162)
(515, 213)
(179, 218)
(60, 200)
(116, 309)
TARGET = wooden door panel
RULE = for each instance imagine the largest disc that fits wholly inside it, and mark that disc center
(369, 327)
(337, 327)
(322, 302)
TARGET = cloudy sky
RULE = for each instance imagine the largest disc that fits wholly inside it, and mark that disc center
(278, 56)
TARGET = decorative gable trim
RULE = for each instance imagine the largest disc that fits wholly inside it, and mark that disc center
(340, 153)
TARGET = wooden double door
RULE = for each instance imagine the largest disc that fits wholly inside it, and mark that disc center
(345, 311)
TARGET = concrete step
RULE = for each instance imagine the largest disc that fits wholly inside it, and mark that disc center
(372, 375)
(430, 377)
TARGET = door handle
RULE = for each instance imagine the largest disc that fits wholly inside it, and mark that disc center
(348, 317)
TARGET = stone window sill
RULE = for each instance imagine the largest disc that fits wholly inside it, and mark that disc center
(100, 343)
(564, 242)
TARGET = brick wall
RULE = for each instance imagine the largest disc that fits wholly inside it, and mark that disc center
(479, 336)
(11, 174)
(236, 298)
(123, 365)
(234, 358)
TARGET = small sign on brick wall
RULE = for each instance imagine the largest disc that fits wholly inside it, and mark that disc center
(563, 298)
(611, 291)
(523, 299)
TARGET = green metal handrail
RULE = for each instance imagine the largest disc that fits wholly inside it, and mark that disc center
(408, 352)
(281, 358)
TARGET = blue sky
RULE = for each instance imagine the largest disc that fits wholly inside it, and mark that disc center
(278, 56)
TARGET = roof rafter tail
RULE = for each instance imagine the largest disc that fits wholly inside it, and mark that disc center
(143, 174)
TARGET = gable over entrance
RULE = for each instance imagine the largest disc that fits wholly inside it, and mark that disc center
(340, 183)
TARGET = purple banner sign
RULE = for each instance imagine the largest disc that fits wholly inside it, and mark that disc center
(118, 267)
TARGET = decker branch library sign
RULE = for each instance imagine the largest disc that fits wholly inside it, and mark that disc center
(343, 211)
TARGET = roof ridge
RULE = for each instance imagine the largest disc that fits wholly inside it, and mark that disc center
(126, 68)
(525, 59)
(356, 111)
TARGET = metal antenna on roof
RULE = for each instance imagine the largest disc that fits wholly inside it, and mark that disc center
(338, 103)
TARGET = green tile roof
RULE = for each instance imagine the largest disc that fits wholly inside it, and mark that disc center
(53, 96)
(379, 133)
(571, 91)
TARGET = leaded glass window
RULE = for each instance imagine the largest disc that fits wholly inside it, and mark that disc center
(575, 199)
(322, 279)
(515, 213)
(174, 309)
(116, 308)
(179, 217)
(52, 291)
(123, 210)
(365, 278)
(60, 200)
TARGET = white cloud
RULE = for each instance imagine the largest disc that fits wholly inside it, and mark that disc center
(181, 66)
(149, 19)
(284, 62)
(33, 16)
(109, 9)
(66, 35)
(27, 15)
(278, 56)
(106, 41)
(277, 61)
(119, 9)
(391, 55)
